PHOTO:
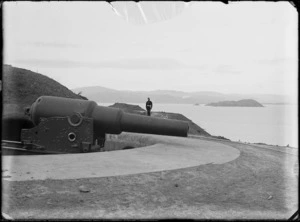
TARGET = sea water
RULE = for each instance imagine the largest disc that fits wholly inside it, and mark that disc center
(272, 124)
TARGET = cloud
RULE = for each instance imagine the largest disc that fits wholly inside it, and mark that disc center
(217, 69)
(228, 69)
(276, 61)
(135, 64)
(51, 44)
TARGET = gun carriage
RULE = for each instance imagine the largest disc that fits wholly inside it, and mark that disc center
(63, 125)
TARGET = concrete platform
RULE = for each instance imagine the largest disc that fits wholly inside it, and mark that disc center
(169, 153)
(242, 182)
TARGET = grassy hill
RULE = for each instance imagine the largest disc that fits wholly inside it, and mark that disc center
(21, 86)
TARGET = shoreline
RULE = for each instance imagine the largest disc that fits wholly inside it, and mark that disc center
(246, 143)
(157, 113)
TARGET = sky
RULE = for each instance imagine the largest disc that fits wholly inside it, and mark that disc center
(241, 47)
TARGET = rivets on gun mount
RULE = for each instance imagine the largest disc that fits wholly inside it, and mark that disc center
(75, 119)
(72, 137)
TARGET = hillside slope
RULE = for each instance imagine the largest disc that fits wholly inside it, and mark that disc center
(22, 87)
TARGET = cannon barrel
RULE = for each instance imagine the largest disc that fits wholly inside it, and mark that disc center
(106, 119)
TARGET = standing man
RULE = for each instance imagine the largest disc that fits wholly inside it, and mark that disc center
(148, 106)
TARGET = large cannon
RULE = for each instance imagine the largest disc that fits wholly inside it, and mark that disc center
(65, 125)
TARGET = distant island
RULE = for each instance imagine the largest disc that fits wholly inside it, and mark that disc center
(240, 103)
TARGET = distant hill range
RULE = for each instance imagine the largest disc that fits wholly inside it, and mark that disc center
(240, 103)
(106, 95)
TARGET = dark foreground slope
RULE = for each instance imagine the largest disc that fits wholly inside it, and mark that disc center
(259, 184)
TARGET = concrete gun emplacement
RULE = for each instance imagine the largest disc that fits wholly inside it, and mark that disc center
(66, 125)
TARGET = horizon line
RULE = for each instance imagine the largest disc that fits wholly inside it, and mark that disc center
(174, 90)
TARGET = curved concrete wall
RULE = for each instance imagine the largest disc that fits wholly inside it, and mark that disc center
(168, 153)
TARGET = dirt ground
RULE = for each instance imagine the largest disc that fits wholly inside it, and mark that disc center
(261, 183)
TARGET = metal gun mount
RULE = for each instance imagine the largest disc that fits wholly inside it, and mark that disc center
(65, 125)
